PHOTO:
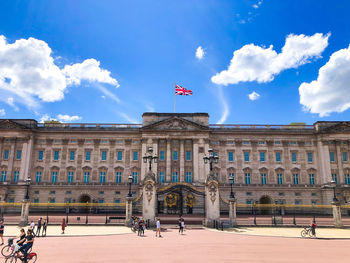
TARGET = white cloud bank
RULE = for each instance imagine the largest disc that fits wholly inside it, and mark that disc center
(61, 118)
(331, 91)
(200, 53)
(254, 96)
(2, 112)
(29, 75)
(255, 63)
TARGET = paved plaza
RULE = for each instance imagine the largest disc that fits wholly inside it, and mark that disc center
(119, 244)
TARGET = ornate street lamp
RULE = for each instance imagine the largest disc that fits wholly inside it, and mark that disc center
(334, 185)
(129, 183)
(149, 158)
(211, 159)
(232, 194)
(27, 181)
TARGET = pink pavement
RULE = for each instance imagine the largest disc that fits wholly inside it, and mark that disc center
(193, 246)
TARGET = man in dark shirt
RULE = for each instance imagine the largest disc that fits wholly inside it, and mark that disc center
(28, 244)
(2, 228)
(38, 228)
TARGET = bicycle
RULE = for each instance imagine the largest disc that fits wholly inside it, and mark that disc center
(10, 248)
(31, 257)
(306, 232)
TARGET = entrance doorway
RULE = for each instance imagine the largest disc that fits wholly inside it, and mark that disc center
(265, 200)
(84, 199)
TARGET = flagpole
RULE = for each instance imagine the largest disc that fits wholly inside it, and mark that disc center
(175, 100)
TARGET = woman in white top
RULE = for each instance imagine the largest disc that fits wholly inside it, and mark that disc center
(158, 228)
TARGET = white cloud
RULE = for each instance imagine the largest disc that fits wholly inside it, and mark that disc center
(103, 97)
(225, 108)
(2, 112)
(45, 117)
(255, 6)
(29, 75)
(128, 118)
(200, 52)
(254, 96)
(331, 91)
(67, 118)
(255, 63)
(10, 101)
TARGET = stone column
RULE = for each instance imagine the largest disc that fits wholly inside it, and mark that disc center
(182, 161)
(339, 163)
(12, 156)
(337, 214)
(24, 213)
(155, 152)
(27, 156)
(144, 166)
(212, 201)
(149, 201)
(195, 176)
(128, 210)
(233, 212)
(168, 161)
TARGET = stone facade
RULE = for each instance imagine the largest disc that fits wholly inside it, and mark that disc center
(91, 162)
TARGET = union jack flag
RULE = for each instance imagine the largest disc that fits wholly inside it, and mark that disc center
(182, 91)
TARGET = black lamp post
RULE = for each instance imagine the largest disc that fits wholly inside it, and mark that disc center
(211, 159)
(149, 157)
(129, 183)
(232, 194)
(334, 185)
(27, 181)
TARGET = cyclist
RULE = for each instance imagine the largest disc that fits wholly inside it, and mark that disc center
(21, 238)
(28, 244)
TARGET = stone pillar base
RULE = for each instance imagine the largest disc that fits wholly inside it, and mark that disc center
(337, 215)
(24, 213)
(233, 212)
(128, 211)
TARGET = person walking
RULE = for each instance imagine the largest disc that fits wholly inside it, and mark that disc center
(158, 228)
(32, 226)
(38, 228)
(44, 228)
(28, 244)
(313, 228)
(182, 226)
(2, 229)
(63, 225)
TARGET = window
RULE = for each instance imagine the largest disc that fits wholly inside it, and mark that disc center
(278, 157)
(11, 200)
(68, 200)
(161, 178)
(245, 142)
(86, 177)
(117, 201)
(246, 156)
(297, 194)
(262, 156)
(87, 155)
(347, 178)
(135, 156)
(56, 155)
(188, 177)
(309, 157)
(101, 192)
(248, 202)
(263, 178)
(38, 177)
(314, 202)
(54, 177)
(294, 157)
(279, 178)
(312, 179)
(334, 178)
(248, 193)
(188, 156)
(308, 143)
(6, 154)
(331, 157)
(230, 156)
(72, 155)
(15, 176)
(297, 202)
(277, 142)
(175, 155)
(134, 177)
(175, 177)
(345, 156)
(102, 177)
(68, 192)
(117, 192)
(313, 194)
(232, 175)
(40, 155)
(261, 142)
(119, 156)
(281, 194)
(118, 177)
(52, 192)
(52, 200)
(293, 143)
(161, 156)
(295, 178)
(3, 176)
(247, 178)
(70, 177)
(103, 155)
(19, 154)
(36, 200)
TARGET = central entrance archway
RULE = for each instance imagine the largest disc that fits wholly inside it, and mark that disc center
(84, 199)
(265, 200)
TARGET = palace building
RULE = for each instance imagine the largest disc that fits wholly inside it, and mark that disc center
(85, 162)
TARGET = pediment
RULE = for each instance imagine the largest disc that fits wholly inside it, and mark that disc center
(11, 125)
(340, 127)
(175, 124)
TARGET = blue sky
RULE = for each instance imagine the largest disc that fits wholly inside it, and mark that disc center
(110, 61)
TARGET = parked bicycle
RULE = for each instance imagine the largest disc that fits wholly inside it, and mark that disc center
(307, 231)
